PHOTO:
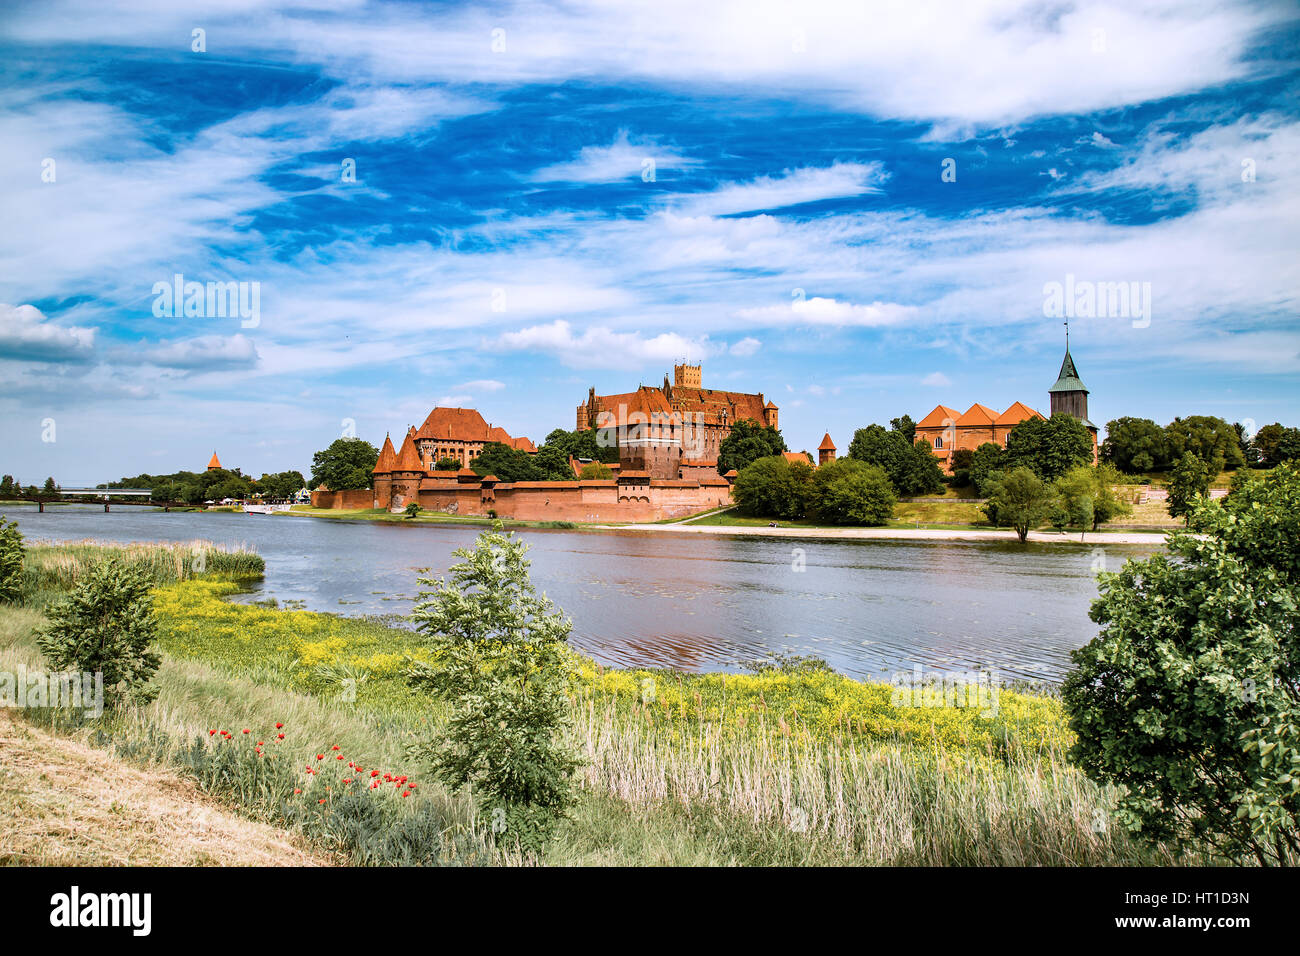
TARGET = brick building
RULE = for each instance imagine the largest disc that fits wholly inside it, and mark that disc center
(948, 430)
(679, 426)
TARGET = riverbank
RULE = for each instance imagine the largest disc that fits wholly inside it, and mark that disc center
(1089, 539)
(791, 765)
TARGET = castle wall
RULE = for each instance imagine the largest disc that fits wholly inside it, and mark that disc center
(608, 500)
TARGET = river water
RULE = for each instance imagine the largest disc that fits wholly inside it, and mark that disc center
(690, 602)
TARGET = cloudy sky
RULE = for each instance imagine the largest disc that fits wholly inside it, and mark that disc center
(499, 205)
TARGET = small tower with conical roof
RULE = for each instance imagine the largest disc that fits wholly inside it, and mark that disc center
(214, 463)
(1069, 396)
(825, 451)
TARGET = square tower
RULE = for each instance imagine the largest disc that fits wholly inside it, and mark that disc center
(687, 376)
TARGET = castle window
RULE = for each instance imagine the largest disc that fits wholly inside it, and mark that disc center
(938, 442)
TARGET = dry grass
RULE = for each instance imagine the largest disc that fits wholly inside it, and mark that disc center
(65, 804)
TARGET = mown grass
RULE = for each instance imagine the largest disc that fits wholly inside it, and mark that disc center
(793, 765)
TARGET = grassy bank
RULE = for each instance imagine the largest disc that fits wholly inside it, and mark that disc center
(792, 765)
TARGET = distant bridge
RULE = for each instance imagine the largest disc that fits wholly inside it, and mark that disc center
(108, 492)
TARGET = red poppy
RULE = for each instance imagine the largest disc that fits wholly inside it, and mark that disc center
(278, 726)
(245, 730)
(297, 790)
(339, 757)
(335, 747)
(211, 732)
(322, 800)
(320, 756)
(279, 736)
(406, 793)
(374, 773)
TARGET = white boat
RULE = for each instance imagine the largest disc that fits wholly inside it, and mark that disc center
(265, 509)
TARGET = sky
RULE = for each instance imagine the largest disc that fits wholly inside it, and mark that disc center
(858, 209)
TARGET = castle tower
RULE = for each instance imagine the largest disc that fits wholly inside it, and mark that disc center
(825, 451)
(381, 476)
(688, 376)
(214, 462)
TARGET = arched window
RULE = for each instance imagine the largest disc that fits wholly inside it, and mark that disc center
(938, 441)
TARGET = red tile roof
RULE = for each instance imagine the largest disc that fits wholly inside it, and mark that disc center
(408, 459)
(457, 424)
(978, 414)
(387, 458)
(214, 461)
(798, 456)
(827, 444)
(939, 418)
(1016, 414)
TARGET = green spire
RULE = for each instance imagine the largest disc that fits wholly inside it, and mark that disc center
(1068, 380)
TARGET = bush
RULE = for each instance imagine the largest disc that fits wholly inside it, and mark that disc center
(1189, 480)
(503, 664)
(596, 471)
(1088, 497)
(11, 560)
(773, 487)
(411, 510)
(107, 626)
(846, 491)
(1187, 699)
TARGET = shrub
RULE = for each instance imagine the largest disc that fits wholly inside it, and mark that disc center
(503, 664)
(595, 471)
(1088, 496)
(411, 510)
(846, 491)
(773, 487)
(1189, 480)
(107, 626)
(11, 561)
(1188, 696)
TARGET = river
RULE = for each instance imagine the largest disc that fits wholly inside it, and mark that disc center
(690, 602)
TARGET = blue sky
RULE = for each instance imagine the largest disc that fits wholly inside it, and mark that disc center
(504, 244)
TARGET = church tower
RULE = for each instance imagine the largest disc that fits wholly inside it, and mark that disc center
(1069, 396)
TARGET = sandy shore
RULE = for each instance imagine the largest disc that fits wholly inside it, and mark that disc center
(1092, 540)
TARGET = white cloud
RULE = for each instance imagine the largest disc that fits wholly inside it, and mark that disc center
(204, 353)
(601, 347)
(482, 385)
(26, 333)
(745, 347)
(936, 379)
(624, 158)
(792, 188)
(824, 311)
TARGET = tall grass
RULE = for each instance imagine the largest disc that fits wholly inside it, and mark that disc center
(58, 567)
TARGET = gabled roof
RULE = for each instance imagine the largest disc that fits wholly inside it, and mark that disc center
(457, 424)
(214, 461)
(387, 458)
(941, 416)
(827, 444)
(1016, 414)
(1068, 380)
(646, 402)
(978, 414)
(408, 459)
(797, 457)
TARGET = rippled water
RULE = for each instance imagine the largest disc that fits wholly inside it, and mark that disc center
(870, 608)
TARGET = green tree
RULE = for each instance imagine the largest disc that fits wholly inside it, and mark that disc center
(500, 658)
(447, 464)
(1276, 444)
(596, 471)
(1020, 500)
(1088, 495)
(551, 464)
(411, 510)
(49, 488)
(1186, 701)
(582, 444)
(7, 485)
(282, 484)
(773, 487)
(1189, 480)
(508, 464)
(345, 465)
(985, 465)
(747, 442)
(848, 491)
(1049, 447)
(912, 468)
(1210, 439)
(107, 626)
(961, 462)
(1135, 445)
(905, 427)
(11, 561)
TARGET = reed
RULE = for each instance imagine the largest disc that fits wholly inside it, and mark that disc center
(58, 567)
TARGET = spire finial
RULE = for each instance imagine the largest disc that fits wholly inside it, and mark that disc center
(1067, 335)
